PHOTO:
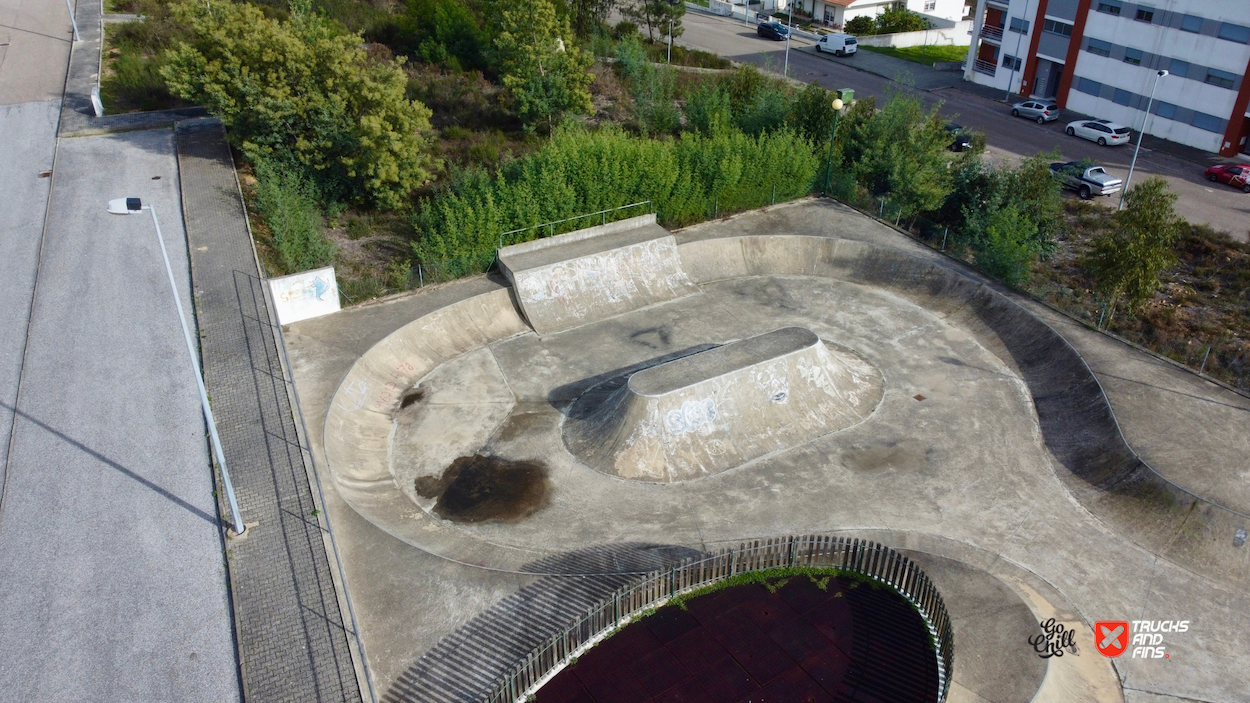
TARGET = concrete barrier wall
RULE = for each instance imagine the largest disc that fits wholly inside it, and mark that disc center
(952, 36)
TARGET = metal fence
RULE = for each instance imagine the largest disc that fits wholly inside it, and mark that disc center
(857, 556)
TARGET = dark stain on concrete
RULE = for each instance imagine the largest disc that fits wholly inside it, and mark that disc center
(652, 337)
(482, 488)
(415, 395)
(903, 455)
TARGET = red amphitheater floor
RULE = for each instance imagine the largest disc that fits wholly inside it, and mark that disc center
(744, 644)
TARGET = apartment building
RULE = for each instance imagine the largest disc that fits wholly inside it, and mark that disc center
(1103, 57)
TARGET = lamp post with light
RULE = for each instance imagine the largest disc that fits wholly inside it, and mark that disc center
(129, 206)
(1140, 134)
(837, 110)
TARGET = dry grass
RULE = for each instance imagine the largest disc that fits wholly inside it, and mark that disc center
(1203, 302)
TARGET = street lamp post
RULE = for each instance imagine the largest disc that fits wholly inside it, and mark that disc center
(789, 30)
(670, 40)
(1142, 133)
(837, 110)
(129, 206)
(73, 22)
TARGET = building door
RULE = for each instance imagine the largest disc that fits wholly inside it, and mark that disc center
(1046, 83)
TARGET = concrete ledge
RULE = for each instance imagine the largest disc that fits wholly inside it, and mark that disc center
(718, 409)
(568, 280)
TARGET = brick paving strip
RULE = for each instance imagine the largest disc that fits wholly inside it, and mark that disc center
(292, 640)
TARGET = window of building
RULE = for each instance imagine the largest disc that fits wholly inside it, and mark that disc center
(1178, 68)
(1190, 23)
(1097, 46)
(930, 6)
(1133, 56)
(1235, 32)
(1223, 79)
(1056, 27)
(1210, 123)
(1165, 110)
(1145, 14)
(1111, 8)
(1011, 62)
(1085, 85)
(1019, 26)
(1121, 97)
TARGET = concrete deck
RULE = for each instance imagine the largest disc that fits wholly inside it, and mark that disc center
(1013, 468)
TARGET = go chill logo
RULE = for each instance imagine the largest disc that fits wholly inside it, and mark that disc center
(1145, 637)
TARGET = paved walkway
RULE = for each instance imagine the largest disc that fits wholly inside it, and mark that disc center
(292, 642)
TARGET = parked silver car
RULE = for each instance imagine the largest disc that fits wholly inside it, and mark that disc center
(1041, 110)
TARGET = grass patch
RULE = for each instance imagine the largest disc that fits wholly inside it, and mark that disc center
(132, 57)
(926, 55)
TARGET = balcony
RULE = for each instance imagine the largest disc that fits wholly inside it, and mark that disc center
(992, 33)
(986, 67)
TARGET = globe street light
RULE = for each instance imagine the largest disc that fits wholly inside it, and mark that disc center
(129, 206)
(837, 110)
(1140, 134)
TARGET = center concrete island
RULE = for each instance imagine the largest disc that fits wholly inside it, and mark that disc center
(501, 453)
(718, 409)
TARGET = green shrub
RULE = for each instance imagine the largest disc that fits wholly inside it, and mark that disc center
(708, 109)
(861, 26)
(288, 203)
(579, 172)
(304, 93)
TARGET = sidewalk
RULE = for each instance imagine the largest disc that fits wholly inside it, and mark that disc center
(293, 644)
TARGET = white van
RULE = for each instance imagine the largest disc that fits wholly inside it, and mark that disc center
(838, 44)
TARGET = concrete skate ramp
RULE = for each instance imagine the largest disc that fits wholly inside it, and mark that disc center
(718, 409)
(1077, 421)
(571, 279)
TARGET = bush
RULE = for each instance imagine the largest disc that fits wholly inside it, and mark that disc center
(440, 32)
(288, 203)
(579, 172)
(900, 19)
(708, 109)
(304, 93)
(861, 26)
(899, 151)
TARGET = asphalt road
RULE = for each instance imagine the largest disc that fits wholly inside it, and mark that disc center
(1008, 138)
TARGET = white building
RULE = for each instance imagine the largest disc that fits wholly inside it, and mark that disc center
(1102, 58)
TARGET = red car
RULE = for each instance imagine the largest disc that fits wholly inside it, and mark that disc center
(1234, 175)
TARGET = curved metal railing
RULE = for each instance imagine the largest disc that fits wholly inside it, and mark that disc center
(858, 556)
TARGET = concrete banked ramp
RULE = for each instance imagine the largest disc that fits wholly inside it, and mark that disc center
(571, 279)
(718, 409)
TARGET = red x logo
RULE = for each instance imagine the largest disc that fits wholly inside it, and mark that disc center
(1111, 637)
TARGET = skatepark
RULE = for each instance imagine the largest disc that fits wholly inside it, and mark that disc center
(500, 452)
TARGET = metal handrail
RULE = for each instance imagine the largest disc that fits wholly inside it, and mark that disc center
(551, 225)
(876, 561)
(989, 68)
(991, 32)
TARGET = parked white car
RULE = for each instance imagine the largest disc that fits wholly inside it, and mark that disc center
(1105, 132)
(838, 44)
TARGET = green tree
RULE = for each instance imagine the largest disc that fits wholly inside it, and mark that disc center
(1038, 196)
(899, 152)
(304, 93)
(546, 76)
(658, 16)
(811, 114)
(1005, 243)
(900, 19)
(442, 32)
(589, 15)
(707, 109)
(861, 26)
(1126, 262)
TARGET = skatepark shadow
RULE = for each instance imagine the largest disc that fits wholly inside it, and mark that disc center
(467, 664)
(591, 392)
